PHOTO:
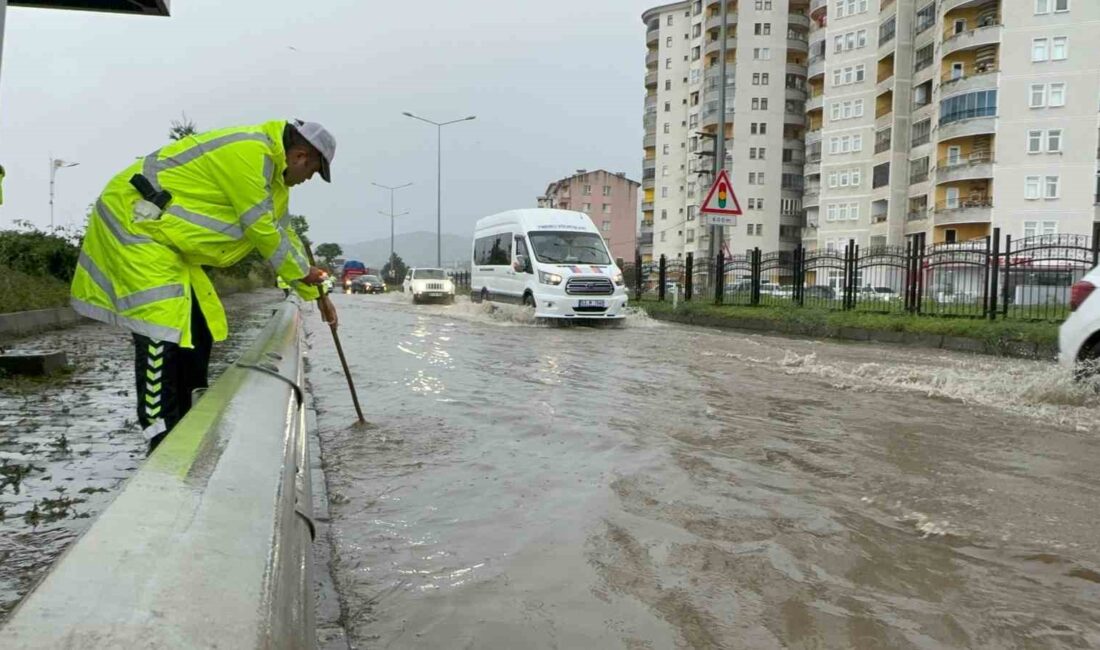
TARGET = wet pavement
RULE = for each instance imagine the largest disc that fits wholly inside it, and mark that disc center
(68, 444)
(660, 486)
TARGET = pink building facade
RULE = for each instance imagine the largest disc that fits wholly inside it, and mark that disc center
(610, 200)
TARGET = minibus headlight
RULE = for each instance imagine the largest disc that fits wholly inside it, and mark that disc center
(618, 279)
(549, 278)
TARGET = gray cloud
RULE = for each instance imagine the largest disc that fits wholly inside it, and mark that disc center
(555, 88)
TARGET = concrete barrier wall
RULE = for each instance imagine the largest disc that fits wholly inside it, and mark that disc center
(208, 545)
(22, 323)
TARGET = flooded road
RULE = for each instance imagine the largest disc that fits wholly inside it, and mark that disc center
(660, 486)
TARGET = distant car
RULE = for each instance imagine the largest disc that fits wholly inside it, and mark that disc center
(368, 284)
(429, 284)
(885, 294)
(819, 292)
(1079, 335)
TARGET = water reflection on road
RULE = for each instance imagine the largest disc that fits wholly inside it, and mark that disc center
(658, 486)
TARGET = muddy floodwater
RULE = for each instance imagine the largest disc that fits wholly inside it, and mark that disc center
(659, 486)
(67, 445)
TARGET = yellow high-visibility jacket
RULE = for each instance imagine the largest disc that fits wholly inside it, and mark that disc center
(228, 198)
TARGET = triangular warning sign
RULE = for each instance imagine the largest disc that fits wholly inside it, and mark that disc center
(721, 199)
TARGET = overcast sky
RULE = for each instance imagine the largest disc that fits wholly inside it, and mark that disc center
(555, 87)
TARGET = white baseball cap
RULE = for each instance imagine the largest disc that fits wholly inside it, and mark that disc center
(322, 141)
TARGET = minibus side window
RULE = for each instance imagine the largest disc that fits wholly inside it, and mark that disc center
(521, 251)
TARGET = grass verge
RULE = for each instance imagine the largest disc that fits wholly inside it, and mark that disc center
(994, 335)
(22, 292)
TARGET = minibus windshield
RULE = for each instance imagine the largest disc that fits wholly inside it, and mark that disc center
(552, 247)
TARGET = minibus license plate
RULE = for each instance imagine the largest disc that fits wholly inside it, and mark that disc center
(591, 303)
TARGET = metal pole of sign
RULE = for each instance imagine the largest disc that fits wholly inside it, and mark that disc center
(717, 233)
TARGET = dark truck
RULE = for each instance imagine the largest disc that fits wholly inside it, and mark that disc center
(351, 270)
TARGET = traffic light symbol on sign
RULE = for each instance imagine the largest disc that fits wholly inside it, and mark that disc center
(722, 195)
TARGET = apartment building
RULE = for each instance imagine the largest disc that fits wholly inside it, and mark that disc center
(766, 57)
(937, 120)
(610, 200)
(943, 119)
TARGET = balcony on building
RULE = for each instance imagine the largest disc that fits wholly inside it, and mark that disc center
(816, 59)
(973, 26)
(645, 239)
(651, 79)
(799, 19)
(796, 64)
(819, 10)
(653, 32)
(794, 112)
(709, 115)
(887, 31)
(917, 208)
(880, 210)
(970, 70)
(883, 140)
(651, 59)
(798, 40)
(647, 206)
(884, 110)
(713, 21)
(880, 176)
(964, 202)
(918, 171)
(884, 80)
(975, 164)
(813, 134)
(797, 89)
(714, 45)
(649, 141)
(967, 114)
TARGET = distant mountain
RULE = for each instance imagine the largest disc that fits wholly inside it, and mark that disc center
(416, 248)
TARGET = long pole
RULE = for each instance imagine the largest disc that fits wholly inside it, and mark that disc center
(53, 174)
(392, 189)
(336, 340)
(717, 233)
(438, 180)
(439, 195)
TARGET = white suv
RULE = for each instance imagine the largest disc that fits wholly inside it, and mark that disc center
(429, 284)
(1079, 336)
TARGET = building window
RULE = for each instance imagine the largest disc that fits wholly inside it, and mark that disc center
(668, 106)
(1051, 188)
(1035, 141)
(763, 5)
(691, 211)
(664, 194)
(667, 127)
(587, 190)
(762, 53)
(606, 226)
(1054, 141)
(668, 84)
(1057, 94)
(762, 29)
(663, 235)
(696, 53)
(1037, 96)
(668, 64)
(1032, 188)
(1045, 6)
(664, 170)
(607, 208)
(1059, 48)
(1039, 50)
(664, 215)
(586, 208)
(669, 21)
(690, 234)
(668, 42)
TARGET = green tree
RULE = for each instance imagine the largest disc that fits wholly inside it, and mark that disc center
(328, 252)
(182, 128)
(299, 225)
(394, 271)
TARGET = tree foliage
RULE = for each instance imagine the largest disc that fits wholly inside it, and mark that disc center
(394, 270)
(328, 252)
(182, 128)
(35, 252)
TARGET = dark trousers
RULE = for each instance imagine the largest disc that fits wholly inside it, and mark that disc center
(166, 375)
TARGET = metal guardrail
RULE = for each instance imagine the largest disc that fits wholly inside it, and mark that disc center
(208, 545)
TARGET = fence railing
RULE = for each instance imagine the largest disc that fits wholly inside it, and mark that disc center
(989, 277)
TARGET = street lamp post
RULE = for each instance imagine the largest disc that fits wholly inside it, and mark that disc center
(439, 180)
(56, 164)
(391, 212)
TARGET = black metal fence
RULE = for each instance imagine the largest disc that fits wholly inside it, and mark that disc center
(989, 277)
(461, 280)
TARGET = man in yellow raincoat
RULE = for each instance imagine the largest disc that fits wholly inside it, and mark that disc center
(208, 199)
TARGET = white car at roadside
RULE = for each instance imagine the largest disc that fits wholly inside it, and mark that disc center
(1079, 336)
(429, 285)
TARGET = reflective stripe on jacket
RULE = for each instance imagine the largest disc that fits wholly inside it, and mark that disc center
(228, 198)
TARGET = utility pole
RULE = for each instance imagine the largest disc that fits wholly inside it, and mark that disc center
(439, 180)
(391, 212)
(56, 164)
(717, 233)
